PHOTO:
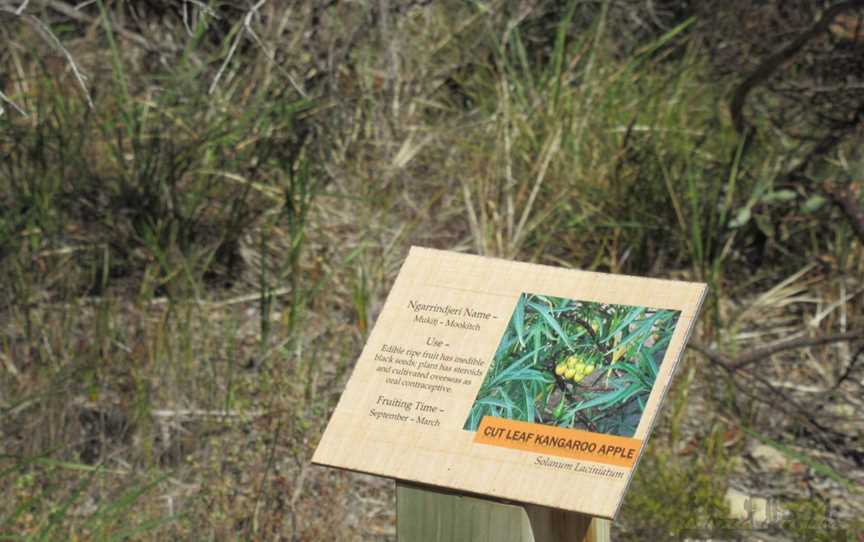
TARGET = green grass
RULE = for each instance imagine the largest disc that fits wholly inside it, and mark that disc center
(193, 254)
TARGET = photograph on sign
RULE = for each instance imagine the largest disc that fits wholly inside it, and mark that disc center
(519, 381)
(577, 364)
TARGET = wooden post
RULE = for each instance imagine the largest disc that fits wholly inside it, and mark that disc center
(425, 514)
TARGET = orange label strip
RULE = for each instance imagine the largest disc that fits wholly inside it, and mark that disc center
(558, 441)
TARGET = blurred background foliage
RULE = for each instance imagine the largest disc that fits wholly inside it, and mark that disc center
(204, 203)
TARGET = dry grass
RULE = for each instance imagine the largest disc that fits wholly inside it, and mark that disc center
(194, 256)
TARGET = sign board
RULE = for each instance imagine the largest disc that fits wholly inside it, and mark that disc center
(513, 380)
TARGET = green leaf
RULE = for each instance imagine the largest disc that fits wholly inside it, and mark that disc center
(648, 360)
(559, 409)
(661, 344)
(519, 319)
(612, 398)
(513, 371)
(529, 402)
(505, 344)
(508, 402)
(648, 50)
(537, 337)
(643, 330)
(636, 375)
(765, 225)
(562, 304)
(813, 204)
(742, 217)
(779, 196)
(553, 323)
(492, 403)
(632, 315)
(473, 418)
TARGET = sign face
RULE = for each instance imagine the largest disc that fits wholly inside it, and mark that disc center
(517, 381)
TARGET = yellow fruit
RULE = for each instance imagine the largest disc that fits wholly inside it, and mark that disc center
(578, 377)
(569, 373)
(559, 370)
(589, 369)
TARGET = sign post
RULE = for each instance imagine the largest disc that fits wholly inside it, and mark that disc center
(428, 515)
(532, 385)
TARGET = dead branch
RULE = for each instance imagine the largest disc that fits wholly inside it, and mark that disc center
(748, 358)
(792, 344)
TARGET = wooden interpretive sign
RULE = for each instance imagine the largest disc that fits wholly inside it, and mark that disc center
(511, 380)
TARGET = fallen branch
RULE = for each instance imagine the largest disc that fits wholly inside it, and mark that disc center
(754, 356)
